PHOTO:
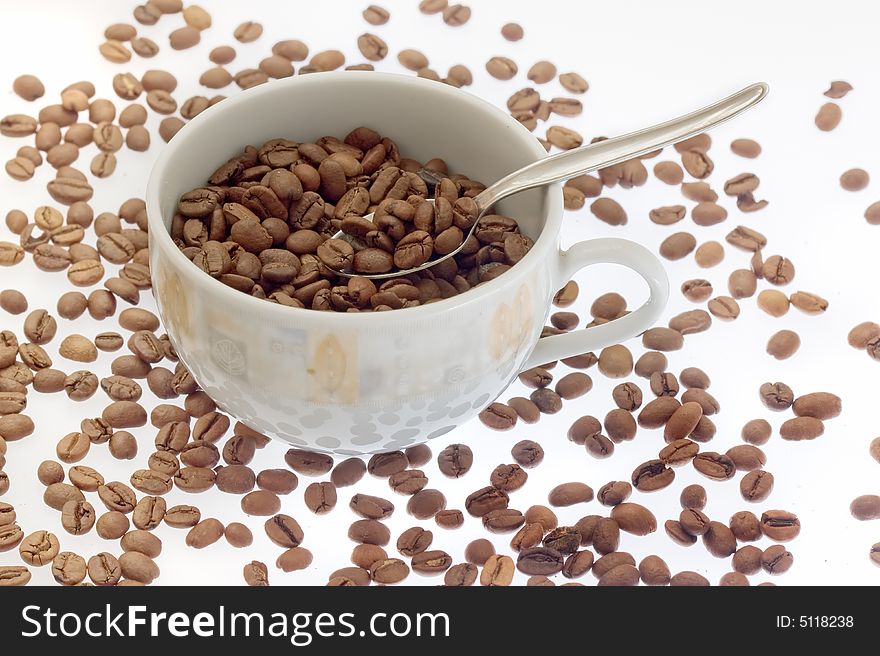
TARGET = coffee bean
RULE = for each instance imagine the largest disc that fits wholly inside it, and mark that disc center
(276, 481)
(747, 457)
(828, 117)
(508, 477)
(609, 561)
(678, 245)
(568, 494)
(151, 482)
(39, 548)
(719, 540)
(783, 344)
(486, 499)
(138, 567)
(104, 569)
(369, 531)
(455, 460)
(801, 428)
(780, 525)
(776, 559)
(182, 516)
(408, 481)
(431, 562)
(376, 15)
(426, 503)
(149, 513)
(389, 571)
(68, 568)
(622, 575)
(294, 559)
(206, 533)
(142, 542)
(498, 416)
(543, 561)
(498, 571)
(456, 15)
(235, 479)
(256, 574)
(77, 517)
(688, 579)
(606, 536)
(808, 303)
(745, 526)
(529, 535)
(527, 453)
(865, 507)
(776, 396)
(605, 209)
(652, 475)
(308, 463)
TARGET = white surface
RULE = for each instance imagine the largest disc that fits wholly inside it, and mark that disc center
(645, 62)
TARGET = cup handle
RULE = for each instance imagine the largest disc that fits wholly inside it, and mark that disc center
(604, 251)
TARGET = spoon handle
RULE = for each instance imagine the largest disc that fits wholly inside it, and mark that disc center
(619, 149)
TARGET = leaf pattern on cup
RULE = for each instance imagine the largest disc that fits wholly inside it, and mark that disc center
(229, 357)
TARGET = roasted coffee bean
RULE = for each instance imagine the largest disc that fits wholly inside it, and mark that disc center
(568, 494)
(693, 496)
(652, 475)
(104, 569)
(320, 498)
(414, 541)
(426, 503)
(294, 559)
(182, 516)
(117, 496)
(256, 574)
(387, 464)
(235, 479)
(39, 548)
(542, 561)
(716, 466)
(609, 561)
(719, 540)
(308, 463)
(865, 507)
(205, 533)
(604, 209)
(745, 526)
(776, 396)
(369, 531)
(485, 500)
(499, 416)
(460, 575)
(614, 493)
(583, 429)
(508, 477)
(194, 479)
(408, 481)
(455, 460)
(780, 525)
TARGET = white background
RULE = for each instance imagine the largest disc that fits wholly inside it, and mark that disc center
(645, 61)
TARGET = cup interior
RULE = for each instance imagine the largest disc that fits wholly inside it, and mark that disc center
(426, 119)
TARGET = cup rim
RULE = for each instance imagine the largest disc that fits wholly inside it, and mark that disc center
(161, 238)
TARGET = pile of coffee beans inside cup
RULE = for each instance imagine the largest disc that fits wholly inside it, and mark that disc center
(261, 225)
(265, 221)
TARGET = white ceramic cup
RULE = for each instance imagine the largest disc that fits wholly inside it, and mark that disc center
(371, 382)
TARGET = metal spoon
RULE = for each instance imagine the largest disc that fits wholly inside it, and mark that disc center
(585, 159)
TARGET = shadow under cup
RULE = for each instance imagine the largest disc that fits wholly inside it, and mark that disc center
(354, 383)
